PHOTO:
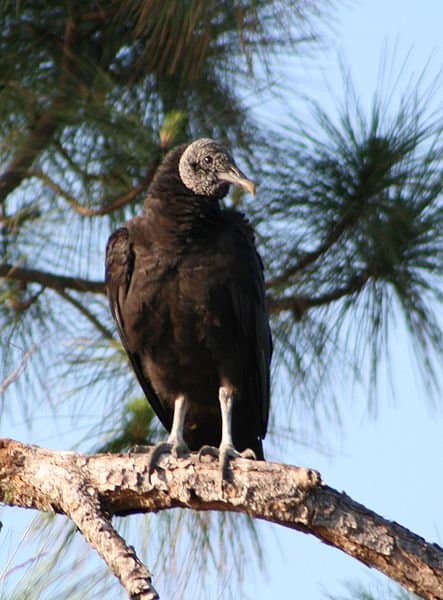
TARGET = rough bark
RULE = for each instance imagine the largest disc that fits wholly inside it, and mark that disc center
(90, 489)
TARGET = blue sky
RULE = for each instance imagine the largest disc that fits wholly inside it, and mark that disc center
(390, 461)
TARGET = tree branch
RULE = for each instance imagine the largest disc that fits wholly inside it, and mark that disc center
(42, 130)
(299, 304)
(50, 280)
(37, 140)
(81, 503)
(307, 258)
(86, 488)
(107, 333)
(108, 207)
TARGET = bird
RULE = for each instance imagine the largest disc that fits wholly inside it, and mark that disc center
(186, 289)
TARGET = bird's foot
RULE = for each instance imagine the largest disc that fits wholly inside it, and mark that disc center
(226, 452)
(208, 451)
(175, 448)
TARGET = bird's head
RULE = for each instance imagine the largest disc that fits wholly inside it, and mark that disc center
(207, 169)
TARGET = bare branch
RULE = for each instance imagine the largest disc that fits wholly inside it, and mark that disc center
(86, 488)
(67, 491)
(81, 504)
(50, 280)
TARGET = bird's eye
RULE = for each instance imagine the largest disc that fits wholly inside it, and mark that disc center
(208, 159)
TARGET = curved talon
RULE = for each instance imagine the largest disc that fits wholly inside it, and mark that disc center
(177, 450)
(226, 452)
(209, 450)
(249, 453)
(157, 451)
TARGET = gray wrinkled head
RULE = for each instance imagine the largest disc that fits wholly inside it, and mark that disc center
(207, 169)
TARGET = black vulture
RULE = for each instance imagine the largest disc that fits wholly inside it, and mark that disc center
(186, 290)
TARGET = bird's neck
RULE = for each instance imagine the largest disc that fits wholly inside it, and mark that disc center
(176, 210)
(182, 216)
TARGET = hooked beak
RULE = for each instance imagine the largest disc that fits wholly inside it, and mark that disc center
(236, 177)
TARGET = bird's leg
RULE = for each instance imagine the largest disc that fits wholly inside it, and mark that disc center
(227, 449)
(175, 444)
(175, 438)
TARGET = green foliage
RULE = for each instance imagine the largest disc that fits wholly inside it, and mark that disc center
(360, 198)
(136, 427)
(92, 95)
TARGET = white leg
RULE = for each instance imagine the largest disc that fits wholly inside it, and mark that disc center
(226, 401)
(227, 449)
(175, 443)
(176, 436)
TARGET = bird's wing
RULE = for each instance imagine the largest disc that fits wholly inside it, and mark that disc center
(264, 347)
(120, 260)
(252, 318)
(247, 291)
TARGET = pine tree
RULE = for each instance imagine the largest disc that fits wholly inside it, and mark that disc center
(349, 217)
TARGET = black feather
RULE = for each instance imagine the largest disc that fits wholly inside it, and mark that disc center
(186, 289)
